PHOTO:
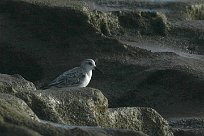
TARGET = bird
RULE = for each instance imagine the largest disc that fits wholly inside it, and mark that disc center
(76, 77)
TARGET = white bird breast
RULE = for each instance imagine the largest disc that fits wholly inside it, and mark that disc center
(87, 79)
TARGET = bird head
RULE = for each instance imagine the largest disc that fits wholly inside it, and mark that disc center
(89, 64)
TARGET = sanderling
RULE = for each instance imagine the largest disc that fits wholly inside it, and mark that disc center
(76, 77)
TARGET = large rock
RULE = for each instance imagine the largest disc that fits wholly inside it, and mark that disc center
(14, 84)
(62, 30)
(88, 107)
(15, 110)
(16, 118)
(142, 119)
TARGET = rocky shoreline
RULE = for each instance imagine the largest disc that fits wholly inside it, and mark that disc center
(23, 107)
(151, 52)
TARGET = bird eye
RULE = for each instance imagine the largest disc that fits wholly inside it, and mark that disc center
(90, 63)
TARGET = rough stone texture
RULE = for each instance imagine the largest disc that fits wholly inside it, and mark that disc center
(16, 118)
(148, 23)
(7, 129)
(14, 84)
(195, 12)
(77, 106)
(190, 126)
(87, 107)
(14, 109)
(40, 42)
(189, 132)
(142, 119)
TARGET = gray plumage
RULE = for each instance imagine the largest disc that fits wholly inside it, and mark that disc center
(76, 77)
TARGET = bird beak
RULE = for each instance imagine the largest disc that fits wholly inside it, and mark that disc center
(95, 68)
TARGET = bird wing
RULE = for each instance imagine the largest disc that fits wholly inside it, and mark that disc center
(71, 77)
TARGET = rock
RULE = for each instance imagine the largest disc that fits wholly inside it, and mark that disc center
(36, 62)
(166, 86)
(194, 12)
(14, 109)
(87, 107)
(145, 23)
(7, 129)
(142, 119)
(189, 132)
(16, 118)
(76, 106)
(191, 126)
(14, 84)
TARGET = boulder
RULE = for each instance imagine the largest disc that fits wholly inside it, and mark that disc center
(16, 118)
(14, 84)
(142, 119)
(75, 106)
(88, 107)
(14, 109)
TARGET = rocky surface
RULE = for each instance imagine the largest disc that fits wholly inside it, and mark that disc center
(190, 126)
(151, 52)
(16, 118)
(77, 107)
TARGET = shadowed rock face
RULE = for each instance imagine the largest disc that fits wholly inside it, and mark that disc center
(49, 37)
(163, 84)
(80, 106)
(15, 61)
